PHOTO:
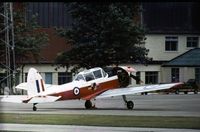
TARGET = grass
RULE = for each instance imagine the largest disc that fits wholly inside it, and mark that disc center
(103, 120)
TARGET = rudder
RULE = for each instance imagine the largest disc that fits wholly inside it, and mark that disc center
(35, 83)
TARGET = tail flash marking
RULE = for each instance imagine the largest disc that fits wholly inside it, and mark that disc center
(37, 84)
(42, 85)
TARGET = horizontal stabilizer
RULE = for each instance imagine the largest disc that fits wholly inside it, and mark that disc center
(44, 99)
(22, 86)
(26, 99)
(14, 98)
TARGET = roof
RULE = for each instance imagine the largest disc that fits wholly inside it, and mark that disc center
(190, 58)
(171, 17)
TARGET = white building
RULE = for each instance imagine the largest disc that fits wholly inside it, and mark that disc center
(172, 30)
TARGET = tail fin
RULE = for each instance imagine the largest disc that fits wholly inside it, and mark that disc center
(35, 83)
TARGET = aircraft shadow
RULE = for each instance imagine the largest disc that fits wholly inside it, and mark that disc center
(104, 109)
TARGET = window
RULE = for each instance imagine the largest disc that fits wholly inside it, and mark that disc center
(151, 77)
(104, 73)
(97, 74)
(138, 75)
(197, 74)
(89, 77)
(26, 76)
(192, 42)
(48, 78)
(79, 77)
(175, 74)
(2, 80)
(171, 43)
(64, 77)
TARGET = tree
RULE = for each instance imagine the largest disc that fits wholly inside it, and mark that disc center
(29, 39)
(103, 34)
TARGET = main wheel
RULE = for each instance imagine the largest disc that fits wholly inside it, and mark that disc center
(130, 105)
(88, 104)
(195, 91)
(177, 91)
(34, 108)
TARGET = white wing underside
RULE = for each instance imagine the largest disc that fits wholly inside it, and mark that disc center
(135, 90)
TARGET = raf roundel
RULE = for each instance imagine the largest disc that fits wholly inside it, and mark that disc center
(76, 91)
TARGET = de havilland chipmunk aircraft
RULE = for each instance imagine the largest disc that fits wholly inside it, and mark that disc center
(90, 84)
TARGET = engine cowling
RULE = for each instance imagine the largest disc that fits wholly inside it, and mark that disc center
(123, 76)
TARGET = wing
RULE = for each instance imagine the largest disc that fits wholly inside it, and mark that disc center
(134, 90)
(26, 99)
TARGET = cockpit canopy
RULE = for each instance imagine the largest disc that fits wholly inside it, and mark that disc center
(91, 74)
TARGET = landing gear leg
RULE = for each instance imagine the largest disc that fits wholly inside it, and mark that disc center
(34, 107)
(94, 106)
(129, 104)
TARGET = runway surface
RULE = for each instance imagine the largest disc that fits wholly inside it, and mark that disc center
(145, 105)
(71, 128)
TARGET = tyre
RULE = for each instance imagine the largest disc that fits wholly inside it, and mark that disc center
(34, 108)
(177, 91)
(195, 91)
(130, 105)
(88, 104)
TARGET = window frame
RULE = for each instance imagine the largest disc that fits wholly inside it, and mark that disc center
(197, 74)
(64, 75)
(191, 43)
(51, 77)
(152, 78)
(175, 74)
(138, 74)
(170, 41)
(96, 77)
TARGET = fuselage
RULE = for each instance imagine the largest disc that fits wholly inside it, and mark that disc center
(84, 88)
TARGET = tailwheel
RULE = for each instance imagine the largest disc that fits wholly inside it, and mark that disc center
(130, 105)
(88, 104)
(34, 107)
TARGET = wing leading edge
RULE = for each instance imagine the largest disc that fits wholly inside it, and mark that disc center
(134, 90)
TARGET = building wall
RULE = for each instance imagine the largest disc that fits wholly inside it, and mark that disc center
(185, 74)
(156, 45)
(44, 68)
(143, 69)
